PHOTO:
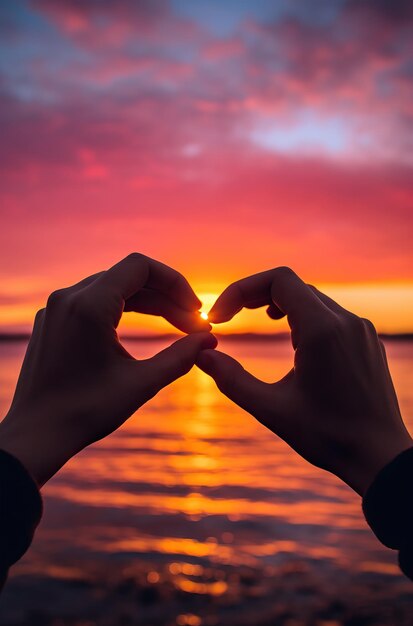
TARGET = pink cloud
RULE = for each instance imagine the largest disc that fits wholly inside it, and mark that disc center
(96, 163)
(96, 24)
(221, 50)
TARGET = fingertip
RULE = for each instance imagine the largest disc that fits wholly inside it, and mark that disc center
(190, 323)
(203, 320)
(211, 317)
(210, 342)
(274, 312)
(213, 313)
(205, 340)
(178, 359)
(205, 360)
(217, 317)
(200, 325)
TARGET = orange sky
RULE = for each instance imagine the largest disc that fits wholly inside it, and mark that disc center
(221, 138)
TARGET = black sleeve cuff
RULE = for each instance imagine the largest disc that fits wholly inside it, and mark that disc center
(20, 510)
(388, 508)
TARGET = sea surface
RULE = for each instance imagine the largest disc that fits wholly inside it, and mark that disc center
(194, 514)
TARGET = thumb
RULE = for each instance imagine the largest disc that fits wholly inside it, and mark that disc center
(176, 360)
(234, 381)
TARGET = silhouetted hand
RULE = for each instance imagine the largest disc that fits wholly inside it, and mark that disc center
(77, 382)
(337, 407)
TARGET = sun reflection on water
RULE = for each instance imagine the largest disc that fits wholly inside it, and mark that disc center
(194, 496)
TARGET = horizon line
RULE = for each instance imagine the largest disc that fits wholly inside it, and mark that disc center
(247, 336)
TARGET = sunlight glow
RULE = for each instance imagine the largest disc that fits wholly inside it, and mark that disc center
(389, 305)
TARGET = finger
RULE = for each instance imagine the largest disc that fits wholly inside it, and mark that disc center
(254, 304)
(280, 287)
(175, 361)
(235, 382)
(136, 271)
(84, 282)
(383, 350)
(332, 304)
(274, 312)
(235, 297)
(37, 329)
(152, 302)
(34, 343)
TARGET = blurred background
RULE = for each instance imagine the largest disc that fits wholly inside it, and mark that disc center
(223, 138)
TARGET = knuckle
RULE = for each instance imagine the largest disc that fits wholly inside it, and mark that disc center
(340, 326)
(55, 298)
(39, 315)
(135, 256)
(358, 326)
(368, 324)
(283, 271)
(137, 260)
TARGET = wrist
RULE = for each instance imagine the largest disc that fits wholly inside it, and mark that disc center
(362, 474)
(38, 450)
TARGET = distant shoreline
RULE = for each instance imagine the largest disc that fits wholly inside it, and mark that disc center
(244, 337)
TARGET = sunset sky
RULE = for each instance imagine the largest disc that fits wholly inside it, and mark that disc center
(221, 137)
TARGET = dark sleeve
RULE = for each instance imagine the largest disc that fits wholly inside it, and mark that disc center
(20, 511)
(388, 508)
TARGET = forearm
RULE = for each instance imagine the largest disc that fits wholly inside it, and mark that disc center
(388, 508)
(20, 511)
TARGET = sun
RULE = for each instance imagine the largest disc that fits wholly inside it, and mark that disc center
(207, 299)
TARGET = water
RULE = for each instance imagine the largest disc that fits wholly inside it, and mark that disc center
(193, 513)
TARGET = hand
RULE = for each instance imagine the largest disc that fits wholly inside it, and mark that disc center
(77, 382)
(337, 407)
